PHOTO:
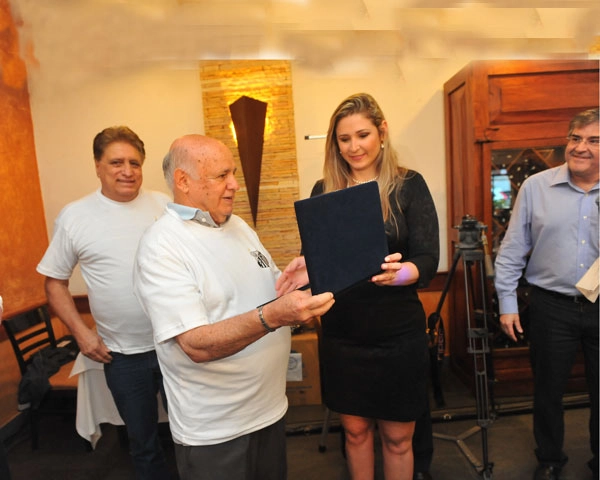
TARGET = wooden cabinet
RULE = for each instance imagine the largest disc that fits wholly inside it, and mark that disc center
(504, 121)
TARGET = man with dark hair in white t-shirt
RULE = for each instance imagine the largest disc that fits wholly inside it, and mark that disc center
(100, 232)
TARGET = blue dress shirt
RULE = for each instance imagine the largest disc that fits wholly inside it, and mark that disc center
(190, 213)
(556, 224)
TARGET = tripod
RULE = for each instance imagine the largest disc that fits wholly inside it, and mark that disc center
(470, 249)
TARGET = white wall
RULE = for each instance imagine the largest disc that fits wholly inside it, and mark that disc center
(411, 97)
(159, 104)
(162, 103)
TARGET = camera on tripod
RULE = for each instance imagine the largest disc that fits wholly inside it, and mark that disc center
(470, 233)
(472, 249)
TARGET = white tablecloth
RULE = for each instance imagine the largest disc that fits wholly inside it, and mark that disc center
(95, 404)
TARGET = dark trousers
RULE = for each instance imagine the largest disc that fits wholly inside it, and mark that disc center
(260, 455)
(422, 443)
(134, 381)
(558, 326)
(4, 469)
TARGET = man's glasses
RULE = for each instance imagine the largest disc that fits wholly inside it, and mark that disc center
(576, 140)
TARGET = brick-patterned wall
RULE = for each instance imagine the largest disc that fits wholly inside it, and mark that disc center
(223, 82)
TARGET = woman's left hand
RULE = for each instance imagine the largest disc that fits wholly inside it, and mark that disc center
(390, 273)
(293, 277)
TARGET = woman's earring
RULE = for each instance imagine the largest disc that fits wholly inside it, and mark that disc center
(382, 147)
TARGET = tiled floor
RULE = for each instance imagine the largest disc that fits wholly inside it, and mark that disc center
(510, 451)
(509, 437)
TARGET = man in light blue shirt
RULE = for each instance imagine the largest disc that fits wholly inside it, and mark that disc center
(553, 236)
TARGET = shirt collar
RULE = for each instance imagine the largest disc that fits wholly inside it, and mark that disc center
(562, 175)
(190, 213)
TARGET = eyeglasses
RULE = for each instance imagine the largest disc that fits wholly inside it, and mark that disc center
(576, 140)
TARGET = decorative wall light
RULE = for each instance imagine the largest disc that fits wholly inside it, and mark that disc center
(248, 116)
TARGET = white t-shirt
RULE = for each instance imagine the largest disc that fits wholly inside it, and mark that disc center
(186, 275)
(102, 236)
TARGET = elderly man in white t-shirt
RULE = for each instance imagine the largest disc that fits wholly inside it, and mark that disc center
(202, 274)
(100, 232)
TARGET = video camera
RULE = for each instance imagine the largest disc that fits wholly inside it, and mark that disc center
(469, 233)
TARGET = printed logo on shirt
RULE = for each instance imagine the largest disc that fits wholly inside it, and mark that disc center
(262, 261)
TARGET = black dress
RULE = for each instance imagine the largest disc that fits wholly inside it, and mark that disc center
(373, 346)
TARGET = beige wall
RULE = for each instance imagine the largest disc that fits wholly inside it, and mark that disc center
(159, 104)
(162, 103)
(411, 98)
(100, 63)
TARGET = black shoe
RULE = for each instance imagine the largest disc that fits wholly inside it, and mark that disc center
(545, 472)
(422, 476)
(593, 464)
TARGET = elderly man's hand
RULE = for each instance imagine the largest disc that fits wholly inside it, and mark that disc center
(298, 307)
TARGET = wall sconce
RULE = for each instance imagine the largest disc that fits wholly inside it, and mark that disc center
(248, 116)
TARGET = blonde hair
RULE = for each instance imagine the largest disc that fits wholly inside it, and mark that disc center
(336, 171)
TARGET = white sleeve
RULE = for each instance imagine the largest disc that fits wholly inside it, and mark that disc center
(60, 257)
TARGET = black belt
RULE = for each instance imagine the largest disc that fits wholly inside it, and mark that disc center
(562, 296)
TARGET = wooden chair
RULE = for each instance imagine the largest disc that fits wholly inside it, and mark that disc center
(34, 343)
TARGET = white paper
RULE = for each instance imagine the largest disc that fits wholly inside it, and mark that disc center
(294, 371)
(588, 284)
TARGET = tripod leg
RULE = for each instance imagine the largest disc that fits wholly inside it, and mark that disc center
(478, 347)
(479, 344)
(432, 321)
(325, 430)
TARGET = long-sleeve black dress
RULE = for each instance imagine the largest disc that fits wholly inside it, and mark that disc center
(373, 346)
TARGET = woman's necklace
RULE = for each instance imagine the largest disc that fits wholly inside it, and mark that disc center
(359, 182)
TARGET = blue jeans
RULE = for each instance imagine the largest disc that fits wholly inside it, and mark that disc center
(134, 381)
(557, 328)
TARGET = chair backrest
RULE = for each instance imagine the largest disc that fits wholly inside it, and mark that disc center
(29, 333)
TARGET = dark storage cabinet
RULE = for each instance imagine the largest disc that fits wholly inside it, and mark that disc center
(504, 121)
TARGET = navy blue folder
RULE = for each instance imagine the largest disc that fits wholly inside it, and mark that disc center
(343, 237)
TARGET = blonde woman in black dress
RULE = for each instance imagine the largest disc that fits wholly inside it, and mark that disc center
(373, 348)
